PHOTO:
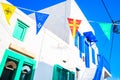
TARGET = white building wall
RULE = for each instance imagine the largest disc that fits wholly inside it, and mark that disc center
(54, 42)
(57, 20)
(31, 42)
(54, 51)
(46, 46)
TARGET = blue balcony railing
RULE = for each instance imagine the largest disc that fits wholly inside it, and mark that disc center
(102, 62)
(106, 64)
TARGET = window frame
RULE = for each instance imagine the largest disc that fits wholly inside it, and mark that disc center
(20, 25)
(21, 60)
(56, 74)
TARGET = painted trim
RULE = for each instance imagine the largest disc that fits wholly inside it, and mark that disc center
(21, 50)
(21, 59)
(93, 56)
(56, 74)
(87, 56)
(20, 30)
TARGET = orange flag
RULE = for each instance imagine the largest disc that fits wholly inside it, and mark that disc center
(74, 25)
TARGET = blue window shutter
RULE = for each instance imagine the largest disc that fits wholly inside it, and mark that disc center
(93, 56)
(77, 40)
(106, 64)
(81, 45)
(99, 68)
(87, 63)
(98, 73)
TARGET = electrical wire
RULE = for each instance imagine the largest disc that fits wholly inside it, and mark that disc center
(114, 23)
(111, 49)
(107, 11)
(91, 21)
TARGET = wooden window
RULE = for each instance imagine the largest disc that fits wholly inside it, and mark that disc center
(61, 73)
(26, 72)
(9, 70)
(87, 59)
(15, 64)
(20, 30)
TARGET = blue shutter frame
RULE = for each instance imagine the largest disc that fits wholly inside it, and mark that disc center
(76, 41)
(87, 59)
(80, 43)
(93, 56)
(102, 62)
(99, 68)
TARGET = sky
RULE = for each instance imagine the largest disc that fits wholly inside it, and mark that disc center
(95, 12)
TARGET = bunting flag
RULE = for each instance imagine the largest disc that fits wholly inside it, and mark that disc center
(8, 11)
(74, 25)
(106, 27)
(40, 20)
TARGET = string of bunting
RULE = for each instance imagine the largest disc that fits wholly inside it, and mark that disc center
(9, 11)
(41, 18)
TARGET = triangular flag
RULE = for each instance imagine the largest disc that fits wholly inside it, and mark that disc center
(74, 25)
(106, 27)
(40, 20)
(8, 11)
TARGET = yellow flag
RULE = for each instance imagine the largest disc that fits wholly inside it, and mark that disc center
(8, 11)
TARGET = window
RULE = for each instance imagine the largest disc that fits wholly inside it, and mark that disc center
(26, 72)
(15, 66)
(9, 70)
(61, 73)
(20, 30)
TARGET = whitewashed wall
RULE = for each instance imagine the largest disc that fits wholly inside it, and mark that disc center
(48, 48)
(31, 42)
(53, 44)
(57, 20)
(53, 51)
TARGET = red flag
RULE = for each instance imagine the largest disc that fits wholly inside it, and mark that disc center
(74, 25)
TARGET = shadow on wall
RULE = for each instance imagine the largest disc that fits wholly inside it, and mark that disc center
(57, 20)
(43, 71)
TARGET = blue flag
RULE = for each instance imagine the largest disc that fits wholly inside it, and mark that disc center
(40, 20)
